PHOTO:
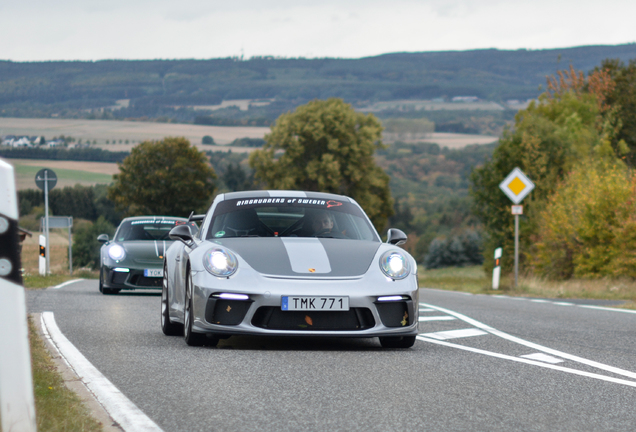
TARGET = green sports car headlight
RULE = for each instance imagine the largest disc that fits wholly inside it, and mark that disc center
(394, 264)
(219, 261)
(116, 252)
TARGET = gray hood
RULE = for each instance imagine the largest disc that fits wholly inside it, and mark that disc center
(307, 257)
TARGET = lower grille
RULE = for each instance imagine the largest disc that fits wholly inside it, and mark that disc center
(140, 280)
(273, 318)
(119, 277)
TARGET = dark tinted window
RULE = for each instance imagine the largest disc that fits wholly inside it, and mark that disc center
(149, 229)
(290, 217)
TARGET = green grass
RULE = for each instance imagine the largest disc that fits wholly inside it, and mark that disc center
(56, 407)
(40, 282)
(68, 176)
(474, 280)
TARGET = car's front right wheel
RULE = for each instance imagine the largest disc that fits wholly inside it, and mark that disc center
(192, 338)
(397, 341)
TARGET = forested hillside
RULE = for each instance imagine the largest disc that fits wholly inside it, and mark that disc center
(169, 88)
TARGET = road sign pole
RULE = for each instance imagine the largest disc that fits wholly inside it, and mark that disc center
(516, 250)
(46, 222)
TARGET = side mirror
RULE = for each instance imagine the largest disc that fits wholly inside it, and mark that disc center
(102, 238)
(181, 232)
(396, 237)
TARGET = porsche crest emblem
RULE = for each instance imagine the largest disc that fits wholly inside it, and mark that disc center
(312, 270)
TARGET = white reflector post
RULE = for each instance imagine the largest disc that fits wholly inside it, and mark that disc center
(496, 271)
(17, 407)
(42, 258)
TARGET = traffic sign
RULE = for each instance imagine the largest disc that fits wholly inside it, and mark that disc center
(47, 175)
(516, 186)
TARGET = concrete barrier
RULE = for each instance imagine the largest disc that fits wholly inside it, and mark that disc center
(17, 407)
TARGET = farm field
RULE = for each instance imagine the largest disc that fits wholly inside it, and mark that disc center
(112, 130)
(69, 173)
(136, 132)
(452, 140)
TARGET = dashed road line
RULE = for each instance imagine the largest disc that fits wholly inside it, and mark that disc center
(454, 334)
(543, 357)
(533, 345)
(437, 318)
(531, 362)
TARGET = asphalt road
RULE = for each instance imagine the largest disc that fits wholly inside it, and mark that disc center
(466, 372)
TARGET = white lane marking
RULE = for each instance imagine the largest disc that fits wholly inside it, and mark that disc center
(502, 296)
(607, 309)
(534, 345)
(118, 406)
(531, 362)
(437, 318)
(427, 310)
(63, 284)
(453, 334)
(543, 357)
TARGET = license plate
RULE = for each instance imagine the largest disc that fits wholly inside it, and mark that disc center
(314, 303)
(153, 272)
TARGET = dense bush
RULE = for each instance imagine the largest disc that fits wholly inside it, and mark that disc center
(457, 251)
(81, 202)
(588, 228)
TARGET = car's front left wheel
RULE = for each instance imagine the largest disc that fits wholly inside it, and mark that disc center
(168, 327)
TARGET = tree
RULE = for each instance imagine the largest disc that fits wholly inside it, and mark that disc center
(85, 244)
(168, 177)
(328, 147)
(207, 140)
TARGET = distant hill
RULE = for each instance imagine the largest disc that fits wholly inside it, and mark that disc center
(169, 88)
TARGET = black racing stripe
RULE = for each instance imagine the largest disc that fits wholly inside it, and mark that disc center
(349, 257)
(266, 255)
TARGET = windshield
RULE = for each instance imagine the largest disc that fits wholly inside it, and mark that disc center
(150, 229)
(290, 217)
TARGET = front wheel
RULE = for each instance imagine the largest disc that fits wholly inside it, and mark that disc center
(397, 341)
(168, 327)
(192, 338)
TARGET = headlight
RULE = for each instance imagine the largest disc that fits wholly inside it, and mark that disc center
(394, 264)
(116, 252)
(220, 262)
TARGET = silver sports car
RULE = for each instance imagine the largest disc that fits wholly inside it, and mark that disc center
(288, 263)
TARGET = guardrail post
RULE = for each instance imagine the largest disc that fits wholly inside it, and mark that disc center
(17, 406)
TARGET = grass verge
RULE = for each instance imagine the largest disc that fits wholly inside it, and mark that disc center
(36, 281)
(56, 407)
(474, 280)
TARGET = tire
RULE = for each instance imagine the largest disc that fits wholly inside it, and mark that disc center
(397, 341)
(102, 289)
(101, 280)
(191, 338)
(168, 327)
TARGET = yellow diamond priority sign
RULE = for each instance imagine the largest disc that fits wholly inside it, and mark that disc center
(516, 186)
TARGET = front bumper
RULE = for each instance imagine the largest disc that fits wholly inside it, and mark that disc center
(261, 313)
(132, 279)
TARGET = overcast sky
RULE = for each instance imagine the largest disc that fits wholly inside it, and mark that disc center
(33, 30)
